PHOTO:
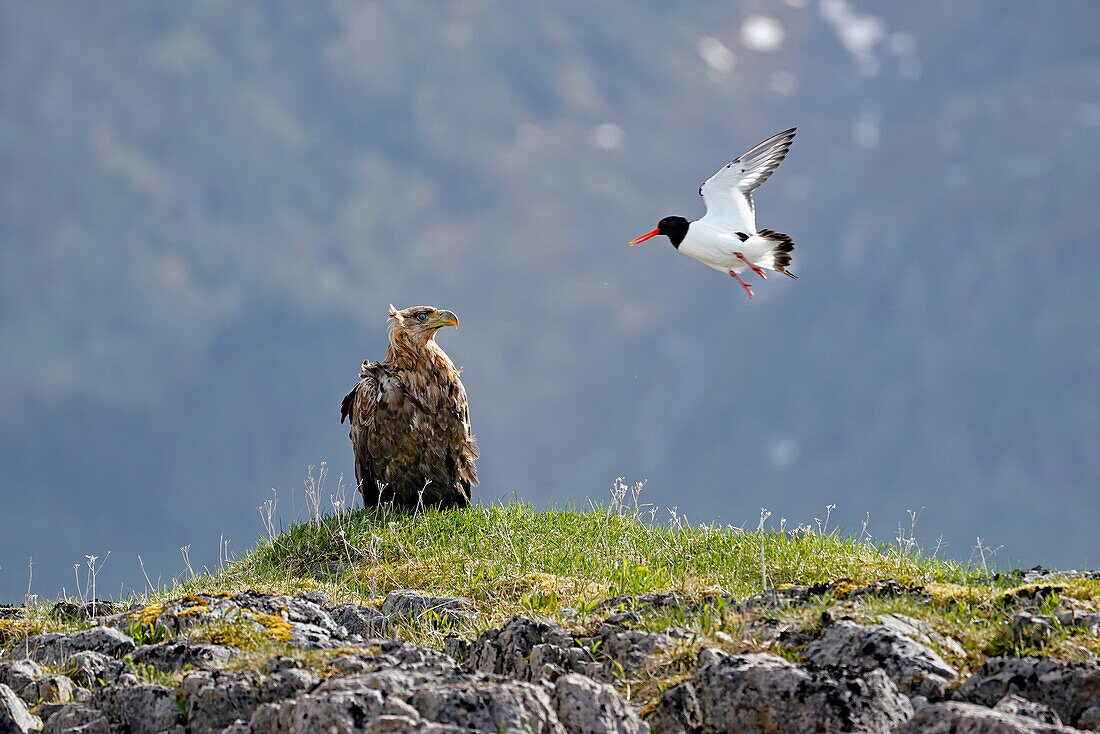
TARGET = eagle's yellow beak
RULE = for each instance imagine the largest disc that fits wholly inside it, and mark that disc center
(445, 318)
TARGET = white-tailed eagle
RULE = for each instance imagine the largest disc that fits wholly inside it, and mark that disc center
(410, 424)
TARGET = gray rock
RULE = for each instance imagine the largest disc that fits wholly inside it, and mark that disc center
(94, 669)
(922, 632)
(181, 654)
(212, 700)
(1068, 688)
(345, 711)
(84, 610)
(654, 600)
(422, 663)
(763, 692)
(266, 718)
(140, 709)
(914, 668)
(456, 647)
(1089, 719)
(55, 649)
(45, 710)
(281, 662)
(318, 597)
(354, 664)
(14, 716)
(488, 707)
(295, 609)
(677, 712)
(1026, 628)
(953, 717)
(310, 625)
(1080, 619)
(630, 649)
(586, 707)
(19, 674)
(106, 640)
(389, 682)
(1073, 617)
(77, 717)
(50, 688)
(359, 620)
(527, 650)
(409, 604)
(1019, 706)
(287, 683)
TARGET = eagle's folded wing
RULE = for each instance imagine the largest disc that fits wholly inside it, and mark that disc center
(359, 407)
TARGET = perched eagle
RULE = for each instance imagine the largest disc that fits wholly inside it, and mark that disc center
(410, 424)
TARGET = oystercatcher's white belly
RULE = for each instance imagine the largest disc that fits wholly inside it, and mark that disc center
(715, 248)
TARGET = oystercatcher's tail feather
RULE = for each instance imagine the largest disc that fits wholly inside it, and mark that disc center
(781, 250)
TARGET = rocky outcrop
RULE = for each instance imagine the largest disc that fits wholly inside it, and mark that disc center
(528, 674)
(531, 650)
(1070, 689)
(14, 716)
(953, 717)
(181, 654)
(765, 693)
(914, 668)
(587, 707)
(56, 649)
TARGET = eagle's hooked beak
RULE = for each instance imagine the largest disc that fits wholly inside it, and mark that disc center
(445, 318)
(644, 237)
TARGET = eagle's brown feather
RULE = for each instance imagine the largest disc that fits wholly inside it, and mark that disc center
(410, 422)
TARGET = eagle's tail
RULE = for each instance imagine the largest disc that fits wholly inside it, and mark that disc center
(782, 246)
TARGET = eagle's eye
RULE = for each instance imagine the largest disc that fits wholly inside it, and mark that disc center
(421, 316)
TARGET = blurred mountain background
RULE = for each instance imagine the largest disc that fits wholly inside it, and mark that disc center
(205, 209)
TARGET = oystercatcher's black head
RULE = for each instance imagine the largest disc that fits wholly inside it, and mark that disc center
(675, 228)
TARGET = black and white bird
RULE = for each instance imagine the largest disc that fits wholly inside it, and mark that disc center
(726, 237)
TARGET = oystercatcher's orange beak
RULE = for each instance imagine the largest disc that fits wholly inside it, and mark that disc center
(645, 237)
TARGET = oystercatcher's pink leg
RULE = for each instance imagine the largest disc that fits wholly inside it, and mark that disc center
(743, 283)
(758, 271)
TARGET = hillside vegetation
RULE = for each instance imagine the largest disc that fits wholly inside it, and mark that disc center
(602, 619)
(563, 565)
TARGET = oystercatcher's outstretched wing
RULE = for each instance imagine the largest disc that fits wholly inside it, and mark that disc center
(728, 193)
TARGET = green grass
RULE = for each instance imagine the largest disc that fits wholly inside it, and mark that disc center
(513, 559)
(557, 564)
(497, 554)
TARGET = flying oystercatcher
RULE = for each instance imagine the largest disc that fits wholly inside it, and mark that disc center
(726, 237)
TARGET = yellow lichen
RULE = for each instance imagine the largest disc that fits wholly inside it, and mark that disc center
(149, 614)
(842, 588)
(275, 626)
(945, 593)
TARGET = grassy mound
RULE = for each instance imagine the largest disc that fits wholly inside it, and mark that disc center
(558, 565)
(512, 558)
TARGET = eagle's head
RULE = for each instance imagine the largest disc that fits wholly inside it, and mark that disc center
(418, 324)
